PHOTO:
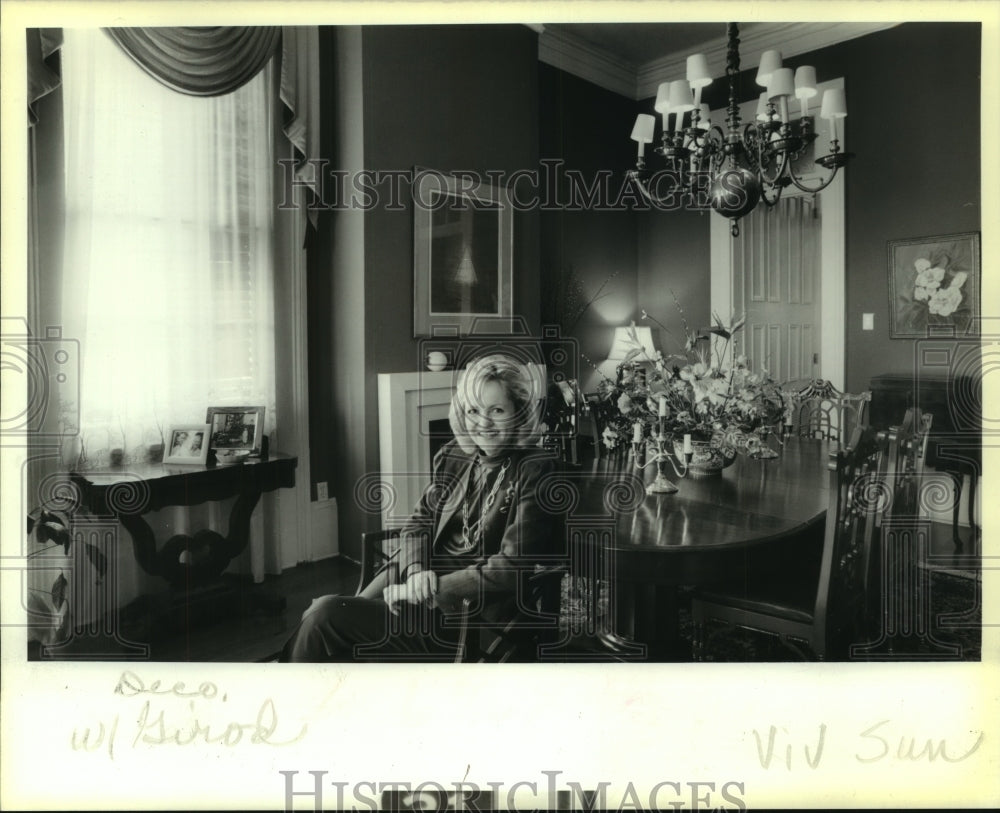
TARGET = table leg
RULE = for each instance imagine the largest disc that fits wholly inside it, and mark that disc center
(186, 559)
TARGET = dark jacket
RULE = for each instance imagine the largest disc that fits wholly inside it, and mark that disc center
(518, 533)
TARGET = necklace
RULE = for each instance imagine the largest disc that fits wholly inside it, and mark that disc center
(472, 534)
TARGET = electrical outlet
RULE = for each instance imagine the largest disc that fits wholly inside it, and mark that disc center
(868, 321)
(322, 493)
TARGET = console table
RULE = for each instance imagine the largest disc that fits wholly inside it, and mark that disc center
(184, 560)
(955, 442)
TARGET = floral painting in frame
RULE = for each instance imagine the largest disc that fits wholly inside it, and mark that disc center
(934, 286)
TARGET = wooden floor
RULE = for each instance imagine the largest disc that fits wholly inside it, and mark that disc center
(240, 627)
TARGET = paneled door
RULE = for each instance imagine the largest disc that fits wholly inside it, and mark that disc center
(776, 262)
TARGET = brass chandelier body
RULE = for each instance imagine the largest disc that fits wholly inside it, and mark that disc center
(735, 168)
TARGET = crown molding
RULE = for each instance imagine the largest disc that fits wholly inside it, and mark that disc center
(578, 57)
(792, 39)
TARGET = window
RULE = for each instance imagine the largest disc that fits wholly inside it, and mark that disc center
(168, 272)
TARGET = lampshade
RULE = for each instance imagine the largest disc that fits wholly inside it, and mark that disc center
(680, 96)
(662, 104)
(623, 344)
(643, 129)
(834, 105)
(698, 75)
(805, 82)
(770, 61)
(782, 83)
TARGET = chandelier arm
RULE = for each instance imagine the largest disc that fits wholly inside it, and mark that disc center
(775, 179)
(647, 193)
(776, 189)
(812, 189)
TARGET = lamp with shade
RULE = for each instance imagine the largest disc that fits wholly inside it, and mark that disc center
(623, 344)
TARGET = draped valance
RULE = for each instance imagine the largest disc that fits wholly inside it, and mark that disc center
(199, 61)
(43, 69)
(211, 62)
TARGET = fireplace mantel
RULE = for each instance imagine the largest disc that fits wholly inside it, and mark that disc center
(407, 404)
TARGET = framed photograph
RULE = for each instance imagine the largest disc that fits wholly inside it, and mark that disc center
(463, 239)
(934, 286)
(236, 428)
(187, 445)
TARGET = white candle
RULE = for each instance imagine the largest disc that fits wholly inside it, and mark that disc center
(687, 444)
(663, 406)
(637, 432)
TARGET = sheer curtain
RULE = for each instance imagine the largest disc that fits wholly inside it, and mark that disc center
(168, 276)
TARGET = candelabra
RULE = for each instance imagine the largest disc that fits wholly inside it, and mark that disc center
(732, 170)
(661, 456)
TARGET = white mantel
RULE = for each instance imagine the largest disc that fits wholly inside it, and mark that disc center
(407, 403)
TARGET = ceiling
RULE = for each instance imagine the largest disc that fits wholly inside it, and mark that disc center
(633, 58)
(638, 43)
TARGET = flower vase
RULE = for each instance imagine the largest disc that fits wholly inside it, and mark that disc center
(706, 460)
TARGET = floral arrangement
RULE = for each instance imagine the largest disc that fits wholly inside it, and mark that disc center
(710, 394)
(943, 296)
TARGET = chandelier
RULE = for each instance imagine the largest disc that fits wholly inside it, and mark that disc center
(735, 168)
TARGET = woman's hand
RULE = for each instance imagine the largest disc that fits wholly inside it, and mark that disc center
(420, 587)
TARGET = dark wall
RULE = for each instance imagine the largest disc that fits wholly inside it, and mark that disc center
(445, 98)
(903, 85)
(586, 253)
(442, 97)
(897, 186)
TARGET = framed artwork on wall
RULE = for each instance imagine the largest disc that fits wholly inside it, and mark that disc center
(463, 239)
(934, 286)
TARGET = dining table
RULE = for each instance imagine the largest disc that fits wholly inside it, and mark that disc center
(645, 546)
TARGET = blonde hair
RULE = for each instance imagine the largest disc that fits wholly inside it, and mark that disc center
(521, 382)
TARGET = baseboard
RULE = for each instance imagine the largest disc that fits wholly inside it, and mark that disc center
(324, 542)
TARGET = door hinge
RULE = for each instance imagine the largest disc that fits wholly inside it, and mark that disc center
(815, 358)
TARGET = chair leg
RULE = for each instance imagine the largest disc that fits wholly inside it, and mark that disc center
(957, 480)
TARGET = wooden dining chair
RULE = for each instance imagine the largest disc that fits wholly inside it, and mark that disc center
(820, 410)
(905, 464)
(824, 611)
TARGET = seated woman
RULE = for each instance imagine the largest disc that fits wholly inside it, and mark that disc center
(474, 535)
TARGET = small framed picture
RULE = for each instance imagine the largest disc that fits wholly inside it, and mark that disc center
(187, 445)
(236, 428)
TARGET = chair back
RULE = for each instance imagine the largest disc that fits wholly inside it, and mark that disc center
(858, 496)
(379, 565)
(820, 410)
(905, 463)
(561, 419)
(601, 412)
